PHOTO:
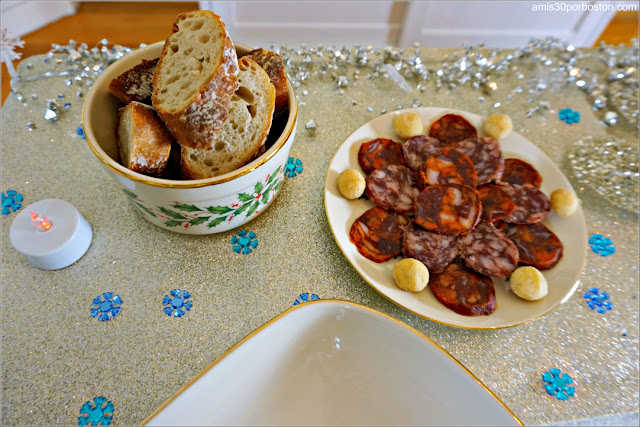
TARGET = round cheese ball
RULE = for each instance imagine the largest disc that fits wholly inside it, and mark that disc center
(411, 275)
(351, 184)
(528, 283)
(498, 126)
(564, 202)
(408, 125)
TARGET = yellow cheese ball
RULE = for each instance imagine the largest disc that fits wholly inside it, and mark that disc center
(351, 184)
(528, 283)
(498, 126)
(411, 275)
(408, 125)
(564, 202)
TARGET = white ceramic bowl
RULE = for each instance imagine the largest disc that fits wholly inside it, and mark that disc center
(201, 206)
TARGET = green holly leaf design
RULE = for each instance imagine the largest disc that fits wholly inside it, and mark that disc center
(244, 197)
(274, 174)
(199, 220)
(219, 210)
(130, 194)
(242, 208)
(253, 208)
(171, 213)
(188, 208)
(217, 221)
(258, 187)
(278, 185)
(172, 223)
(144, 209)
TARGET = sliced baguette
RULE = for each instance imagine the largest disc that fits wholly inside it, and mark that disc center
(243, 134)
(195, 78)
(135, 84)
(144, 142)
(271, 62)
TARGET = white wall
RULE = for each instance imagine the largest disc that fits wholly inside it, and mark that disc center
(23, 17)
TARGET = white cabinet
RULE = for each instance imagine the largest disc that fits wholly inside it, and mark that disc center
(402, 23)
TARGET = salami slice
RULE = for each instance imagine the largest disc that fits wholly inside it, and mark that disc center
(496, 201)
(417, 150)
(519, 172)
(488, 251)
(380, 152)
(464, 291)
(486, 155)
(537, 245)
(434, 250)
(452, 128)
(532, 205)
(448, 208)
(392, 187)
(377, 234)
(449, 166)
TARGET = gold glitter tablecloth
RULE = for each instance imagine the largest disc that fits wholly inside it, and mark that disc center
(55, 356)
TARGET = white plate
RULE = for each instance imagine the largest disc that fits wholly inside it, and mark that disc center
(511, 310)
(334, 363)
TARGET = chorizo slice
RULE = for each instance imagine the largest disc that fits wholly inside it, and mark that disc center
(448, 208)
(452, 128)
(392, 187)
(417, 150)
(488, 251)
(486, 155)
(519, 172)
(449, 166)
(532, 205)
(464, 291)
(537, 246)
(434, 250)
(380, 152)
(377, 234)
(496, 201)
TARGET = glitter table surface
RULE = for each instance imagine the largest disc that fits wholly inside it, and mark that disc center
(56, 356)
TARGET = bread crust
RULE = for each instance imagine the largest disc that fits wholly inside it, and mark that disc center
(198, 123)
(135, 84)
(271, 62)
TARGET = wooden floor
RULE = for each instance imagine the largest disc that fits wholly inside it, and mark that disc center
(132, 23)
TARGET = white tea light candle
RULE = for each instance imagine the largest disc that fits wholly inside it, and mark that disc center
(51, 234)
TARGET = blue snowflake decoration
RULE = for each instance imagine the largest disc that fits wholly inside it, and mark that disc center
(100, 412)
(597, 300)
(569, 116)
(293, 167)
(602, 245)
(304, 297)
(177, 303)
(106, 308)
(80, 132)
(11, 202)
(244, 242)
(558, 385)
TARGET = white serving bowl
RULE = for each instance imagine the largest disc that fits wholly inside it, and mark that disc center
(201, 206)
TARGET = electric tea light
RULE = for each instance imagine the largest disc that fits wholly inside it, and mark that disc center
(51, 234)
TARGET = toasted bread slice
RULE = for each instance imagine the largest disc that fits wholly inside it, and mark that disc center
(195, 78)
(135, 84)
(244, 132)
(144, 142)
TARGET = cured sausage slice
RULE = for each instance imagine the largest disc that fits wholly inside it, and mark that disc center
(532, 205)
(486, 155)
(380, 152)
(452, 128)
(496, 202)
(537, 245)
(463, 291)
(417, 150)
(519, 172)
(449, 166)
(448, 208)
(392, 187)
(377, 234)
(488, 251)
(436, 251)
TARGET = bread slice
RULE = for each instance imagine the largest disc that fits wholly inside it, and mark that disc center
(135, 84)
(195, 78)
(144, 142)
(271, 62)
(243, 134)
